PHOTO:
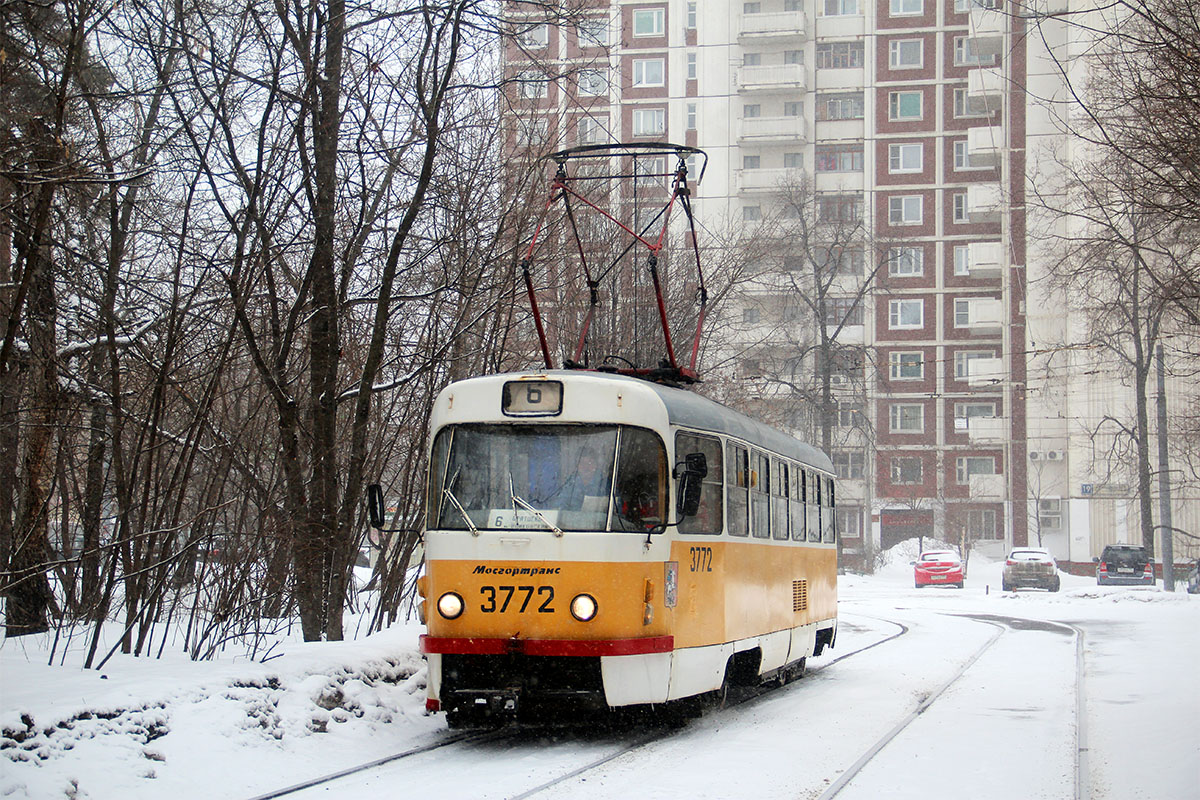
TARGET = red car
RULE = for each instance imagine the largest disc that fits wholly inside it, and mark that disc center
(938, 567)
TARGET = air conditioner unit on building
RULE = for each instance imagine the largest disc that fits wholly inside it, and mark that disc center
(1034, 455)
(837, 380)
(1054, 455)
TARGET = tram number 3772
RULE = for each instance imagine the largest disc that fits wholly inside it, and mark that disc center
(498, 598)
(701, 558)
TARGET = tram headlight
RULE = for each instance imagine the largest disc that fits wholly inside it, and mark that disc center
(450, 605)
(583, 607)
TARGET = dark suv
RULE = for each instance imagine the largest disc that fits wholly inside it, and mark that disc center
(1124, 565)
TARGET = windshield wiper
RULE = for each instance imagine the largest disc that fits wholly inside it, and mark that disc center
(521, 502)
(459, 507)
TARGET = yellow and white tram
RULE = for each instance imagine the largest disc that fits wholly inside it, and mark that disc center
(600, 541)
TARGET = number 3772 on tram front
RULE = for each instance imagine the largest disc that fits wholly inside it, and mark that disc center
(595, 541)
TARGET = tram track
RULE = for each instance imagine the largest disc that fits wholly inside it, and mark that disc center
(503, 735)
(1004, 626)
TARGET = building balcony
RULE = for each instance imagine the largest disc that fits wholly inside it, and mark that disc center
(774, 25)
(849, 334)
(775, 77)
(767, 180)
(986, 372)
(985, 258)
(773, 129)
(985, 201)
(985, 430)
(988, 26)
(985, 89)
(985, 145)
(987, 487)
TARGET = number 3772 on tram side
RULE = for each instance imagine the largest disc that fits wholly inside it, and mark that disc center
(595, 541)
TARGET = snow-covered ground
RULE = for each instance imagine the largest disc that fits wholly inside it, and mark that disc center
(1007, 728)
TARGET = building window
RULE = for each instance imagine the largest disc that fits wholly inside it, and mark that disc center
(966, 466)
(751, 59)
(691, 66)
(962, 259)
(906, 365)
(963, 108)
(591, 131)
(533, 84)
(793, 160)
(649, 121)
(793, 108)
(649, 21)
(751, 162)
(849, 414)
(848, 521)
(906, 314)
(532, 132)
(907, 418)
(848, 464)
(906, 262)
(1050, 514)
(963, 359)
(906, 53)
(751, 8)
(839, 158)
(964, 56)
(907, 469)
(905, 106)
(841, 310)
(906, 8)
(965, 6)
(961, 214)
(751, 111)
(535, 38)
(840, 106)
(839, 8)
(751, 213)
(841, 260)
(962, 158)
(839, 208)
(972, 410)
(962, 313)
(691, 117)
(593, 83)
(905, 209)
(839, 55)
(981, 524)
(690, 20)
(751, 315)
(593, 32)
(905, 157)
(793, 5)
(793, 56)
(648, 72)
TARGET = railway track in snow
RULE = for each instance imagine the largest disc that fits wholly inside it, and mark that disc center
(502, 736)
(1004, 625)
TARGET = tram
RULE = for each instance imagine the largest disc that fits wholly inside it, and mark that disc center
(598, 541)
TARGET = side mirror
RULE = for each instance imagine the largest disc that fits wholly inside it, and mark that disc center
(1096, 560)
(691, 476)
(375, 505)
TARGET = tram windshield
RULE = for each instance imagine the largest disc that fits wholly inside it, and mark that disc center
(543, 477)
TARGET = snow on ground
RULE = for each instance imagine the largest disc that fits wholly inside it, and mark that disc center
(236, 728)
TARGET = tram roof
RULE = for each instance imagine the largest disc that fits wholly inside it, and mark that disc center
(691, 410)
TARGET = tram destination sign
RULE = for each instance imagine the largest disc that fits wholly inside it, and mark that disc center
(532, 398)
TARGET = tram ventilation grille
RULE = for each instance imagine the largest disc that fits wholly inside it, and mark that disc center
(799, 595)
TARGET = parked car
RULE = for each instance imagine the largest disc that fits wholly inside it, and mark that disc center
(1194, 578)
(1030, 566)
(1124, 565)
(938, 567)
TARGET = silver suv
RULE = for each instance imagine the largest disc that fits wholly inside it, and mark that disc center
(1030, 566)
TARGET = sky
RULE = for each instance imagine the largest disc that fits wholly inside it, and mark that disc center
(1006, 727)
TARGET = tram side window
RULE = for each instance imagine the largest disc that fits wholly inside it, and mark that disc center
(779, 498)
(827, 516)
(641, 487)
(737, 489)
(813, 499)
(760, 484)
(437, 469)
(710, 517)
(796, 503)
